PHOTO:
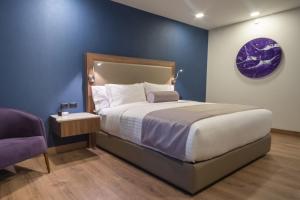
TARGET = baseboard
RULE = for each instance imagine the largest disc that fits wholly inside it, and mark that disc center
(275, 130)
(67, 147)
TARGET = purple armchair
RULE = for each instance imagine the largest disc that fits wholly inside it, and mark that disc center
(22, 136)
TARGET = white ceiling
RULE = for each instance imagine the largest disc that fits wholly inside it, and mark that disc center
(217, 12)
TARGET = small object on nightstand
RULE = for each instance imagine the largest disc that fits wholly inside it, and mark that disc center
(76, 124)
(62, 107)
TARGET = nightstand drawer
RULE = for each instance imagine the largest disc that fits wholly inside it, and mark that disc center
(78, 127)
(75, 124)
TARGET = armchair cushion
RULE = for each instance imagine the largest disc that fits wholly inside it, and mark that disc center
(14, 150)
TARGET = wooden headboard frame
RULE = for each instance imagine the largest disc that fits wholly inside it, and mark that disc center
(91, 58)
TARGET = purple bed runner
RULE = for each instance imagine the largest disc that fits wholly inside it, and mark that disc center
(167, 130)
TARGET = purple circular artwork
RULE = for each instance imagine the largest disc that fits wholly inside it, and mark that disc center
(258, 57)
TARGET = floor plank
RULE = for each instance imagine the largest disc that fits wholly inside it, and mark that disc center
(95, 174)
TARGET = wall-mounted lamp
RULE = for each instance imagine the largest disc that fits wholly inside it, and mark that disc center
(177, 75)
(92, 75)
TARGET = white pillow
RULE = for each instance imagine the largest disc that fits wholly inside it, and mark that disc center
(151, 87)
(123, 94)
(100, 98)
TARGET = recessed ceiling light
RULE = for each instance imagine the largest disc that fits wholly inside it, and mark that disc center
(199, 15)
(257, 21)
(255, 14)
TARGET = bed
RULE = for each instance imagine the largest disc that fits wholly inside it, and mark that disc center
(215, 146)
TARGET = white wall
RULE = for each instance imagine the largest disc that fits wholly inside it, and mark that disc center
(279, 92)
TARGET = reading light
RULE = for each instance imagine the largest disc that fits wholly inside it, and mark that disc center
(92, 76)
(199, 15)
(177, 75)
(255, 14)
(99, 64)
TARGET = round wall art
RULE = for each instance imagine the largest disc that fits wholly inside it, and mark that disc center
(258, 58)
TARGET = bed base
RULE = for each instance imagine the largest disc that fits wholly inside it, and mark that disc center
(190, 177)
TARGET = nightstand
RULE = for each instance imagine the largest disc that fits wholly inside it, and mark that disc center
(76, 124)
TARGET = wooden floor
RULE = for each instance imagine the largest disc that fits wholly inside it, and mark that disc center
(85, 174)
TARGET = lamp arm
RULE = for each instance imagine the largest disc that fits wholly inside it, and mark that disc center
(177, 74)
(176, 77)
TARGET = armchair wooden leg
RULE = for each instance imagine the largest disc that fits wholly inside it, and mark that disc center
(11, 169)
(47, 162)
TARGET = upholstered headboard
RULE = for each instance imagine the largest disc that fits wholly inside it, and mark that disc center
(101, 69)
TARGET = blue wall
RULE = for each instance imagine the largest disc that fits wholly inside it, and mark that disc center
(43, 42)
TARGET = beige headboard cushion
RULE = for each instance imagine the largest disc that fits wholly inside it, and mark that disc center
(123, 73)
(124, 70)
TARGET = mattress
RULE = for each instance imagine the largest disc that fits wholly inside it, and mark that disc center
(207, 138)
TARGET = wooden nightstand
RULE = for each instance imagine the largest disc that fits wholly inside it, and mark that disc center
(76, 124)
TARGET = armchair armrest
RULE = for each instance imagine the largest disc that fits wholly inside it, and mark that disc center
(14, 123)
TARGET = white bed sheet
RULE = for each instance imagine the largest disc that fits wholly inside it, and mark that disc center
(208, 138)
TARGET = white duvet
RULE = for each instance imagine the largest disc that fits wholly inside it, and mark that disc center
(207, 138)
